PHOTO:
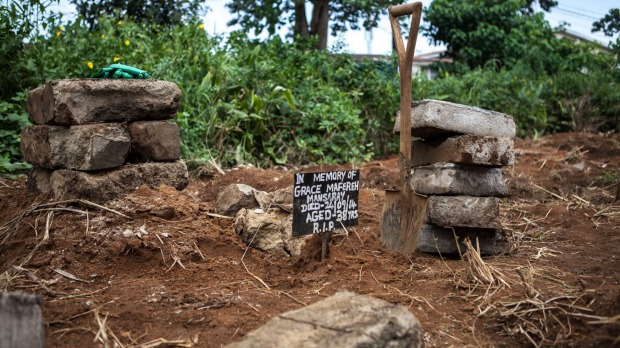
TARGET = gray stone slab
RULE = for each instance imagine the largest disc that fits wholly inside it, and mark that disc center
(80, 101)
(434, 118)
(454, 179)
(466, 149)
(80, 147)
(434, 239)
(105, 185)
(156, 141)
(342, 320)
(39, 180)
(21, 321)
(463, 211)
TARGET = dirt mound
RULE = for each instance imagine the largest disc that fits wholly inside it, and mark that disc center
(160, 266)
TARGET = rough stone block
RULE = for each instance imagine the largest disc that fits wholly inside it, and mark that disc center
(344, 320)
(82, 147)
(106, 185)
(39, 180)
(282, 198)
(454, 179)
(270, 231)
(235, 197)
(434, 118)
(80, 101)
(21, 321)
(34, 105)
(467, 149)
(157, 141)
(434, 239)
(463, 211)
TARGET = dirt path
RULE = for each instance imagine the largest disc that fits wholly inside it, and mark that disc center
(184, 280)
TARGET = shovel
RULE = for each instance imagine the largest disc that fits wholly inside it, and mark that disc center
(397, 230)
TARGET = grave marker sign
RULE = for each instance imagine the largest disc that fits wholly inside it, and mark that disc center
(325, 201)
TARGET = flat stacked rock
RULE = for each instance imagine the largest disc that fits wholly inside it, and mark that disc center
(98, 139)
(457, 176)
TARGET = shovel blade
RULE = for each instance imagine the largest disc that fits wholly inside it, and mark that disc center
(398, 230)
(390, 219)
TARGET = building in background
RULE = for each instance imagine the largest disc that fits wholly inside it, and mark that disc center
(422, 62)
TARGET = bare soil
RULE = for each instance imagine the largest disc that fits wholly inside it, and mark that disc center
(190, 281)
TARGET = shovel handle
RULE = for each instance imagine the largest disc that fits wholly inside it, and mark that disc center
(405, 62)
(404, 10)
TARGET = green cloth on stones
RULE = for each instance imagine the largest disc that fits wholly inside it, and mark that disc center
(121, 71)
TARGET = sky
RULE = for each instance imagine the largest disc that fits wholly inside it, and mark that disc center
(578, 14)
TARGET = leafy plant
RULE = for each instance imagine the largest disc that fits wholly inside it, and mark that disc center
(273, 102)
(12, 118)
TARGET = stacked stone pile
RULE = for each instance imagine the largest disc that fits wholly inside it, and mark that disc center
(98, 139)
(457, 176)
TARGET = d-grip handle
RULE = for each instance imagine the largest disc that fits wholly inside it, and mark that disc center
(405, 10)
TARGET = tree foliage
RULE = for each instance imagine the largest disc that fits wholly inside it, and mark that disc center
(272, 15)
(19, 21)
(478, 31)
(546, 5)
(609, 24)
(272, 102)
(161, 12)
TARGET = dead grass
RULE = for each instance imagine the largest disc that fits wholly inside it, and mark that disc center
(509, 293)
(105, 336)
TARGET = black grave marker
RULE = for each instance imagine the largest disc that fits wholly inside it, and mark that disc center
(322, 201)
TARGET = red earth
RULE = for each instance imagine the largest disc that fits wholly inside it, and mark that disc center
(185, 283)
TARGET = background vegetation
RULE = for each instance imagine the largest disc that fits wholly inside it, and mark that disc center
(275, 102)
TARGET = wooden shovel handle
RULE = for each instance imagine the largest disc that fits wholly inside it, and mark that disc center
(404, 10)
(405, 62)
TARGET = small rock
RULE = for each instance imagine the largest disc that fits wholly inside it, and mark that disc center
(283, 199)
(233, 198)
(271, 231)
(580, 166)
(142, 230)
(127, 233)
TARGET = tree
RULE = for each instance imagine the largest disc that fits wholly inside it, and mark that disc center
(546, 5)
(19, 22)
(478, 31)
(609, 24)
(162, 12)
(272, 15)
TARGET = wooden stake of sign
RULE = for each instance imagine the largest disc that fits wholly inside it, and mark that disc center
(325, 245)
